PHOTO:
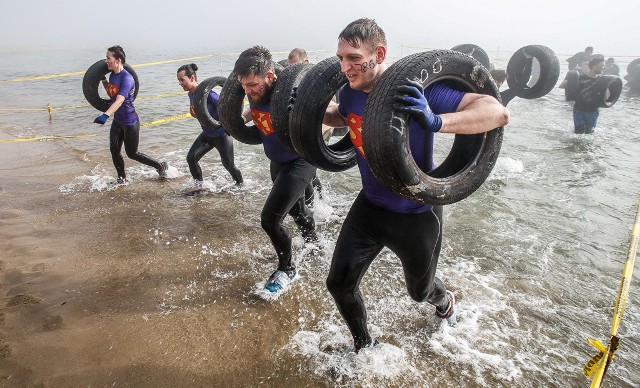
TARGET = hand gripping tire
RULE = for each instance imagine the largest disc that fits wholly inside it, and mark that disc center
(289, 78)
(573, 86)
(315, 91)
(200, 98)
(519, 71)
(386, 139)
(475, 51)
(92, 81)
(614, 84)
(230, 112)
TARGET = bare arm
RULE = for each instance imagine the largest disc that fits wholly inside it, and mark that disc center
(116, 104)
(332, 117)
(476, 113)
(246, 116)
(563, 84)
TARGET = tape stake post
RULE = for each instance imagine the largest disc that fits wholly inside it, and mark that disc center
(600, 362)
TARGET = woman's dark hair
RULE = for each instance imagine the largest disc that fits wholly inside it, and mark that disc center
(118, 53)
(189, 70)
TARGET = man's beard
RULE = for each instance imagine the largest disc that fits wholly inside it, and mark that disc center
(265, 99)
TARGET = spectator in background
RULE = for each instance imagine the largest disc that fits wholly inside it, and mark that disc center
(499, 76)
(611, 68)
(297, 55)
(579, 58)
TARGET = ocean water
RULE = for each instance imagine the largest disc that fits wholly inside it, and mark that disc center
(141, 285)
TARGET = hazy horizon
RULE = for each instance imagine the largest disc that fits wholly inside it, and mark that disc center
(566, 27)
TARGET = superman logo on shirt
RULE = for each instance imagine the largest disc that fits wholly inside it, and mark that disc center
(355, 131)
(112, 90)
(262, 120)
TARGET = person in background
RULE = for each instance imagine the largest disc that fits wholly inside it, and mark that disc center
(290, 173)
(574, 62)
(378, 217)
(588, 97)
(611, 68)
(499, 76)
(209, 138)
(297, 55)
(125, 127)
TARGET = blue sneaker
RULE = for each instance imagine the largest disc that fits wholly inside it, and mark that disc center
(449, 313)
(280, 280)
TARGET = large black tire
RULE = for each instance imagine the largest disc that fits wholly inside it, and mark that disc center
(614, 84)
(200, 101)
(230, 108)
(573, 86)
(633, 67)
(475, 51)
(315, 91)
(519, 71)
(92, 81)
(386, 138)
(289, 78)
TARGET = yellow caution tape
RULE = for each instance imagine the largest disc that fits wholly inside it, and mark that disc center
(598, 364)
(44, 138)
(50, 108)
(166, 120)
(49, 76)
(156, 122)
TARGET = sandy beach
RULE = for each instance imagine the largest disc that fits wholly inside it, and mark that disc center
(77, 309)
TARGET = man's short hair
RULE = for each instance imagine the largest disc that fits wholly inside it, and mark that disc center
(299, 53)
(255, 60)
(595, 61)
(363, 31)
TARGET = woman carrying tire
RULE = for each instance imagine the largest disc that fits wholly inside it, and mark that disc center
(212, 135)
(125, 128)
(379, 217)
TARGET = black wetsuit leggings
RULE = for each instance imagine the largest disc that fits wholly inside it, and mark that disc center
(287, 197)
(130, 136)
(204, 144)
(414, 238)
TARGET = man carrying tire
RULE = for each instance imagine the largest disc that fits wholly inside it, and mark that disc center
(380, 217)
(588, 97)
(291, 174)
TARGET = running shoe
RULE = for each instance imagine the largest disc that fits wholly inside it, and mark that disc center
(449, 313)
(163, 170)
(280, 280)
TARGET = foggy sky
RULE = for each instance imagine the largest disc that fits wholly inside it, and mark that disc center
(566, 26)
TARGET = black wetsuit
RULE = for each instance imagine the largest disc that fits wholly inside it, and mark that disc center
(125, 127)
(380, 218)
(129, 135)
(291, 175)
(209, 139)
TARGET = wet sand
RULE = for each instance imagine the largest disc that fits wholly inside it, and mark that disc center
(114, 289)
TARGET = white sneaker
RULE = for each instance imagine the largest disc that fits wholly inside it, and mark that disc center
(450, 313)
(280, 280)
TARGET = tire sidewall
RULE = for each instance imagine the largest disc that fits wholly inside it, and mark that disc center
(91, 82)
(386, 138)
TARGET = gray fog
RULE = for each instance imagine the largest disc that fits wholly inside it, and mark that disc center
(566, 26)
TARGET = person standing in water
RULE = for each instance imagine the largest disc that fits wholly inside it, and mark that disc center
(290, 173)
(588, 97)
(209, 138)
(378, 217)
(125, 127)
